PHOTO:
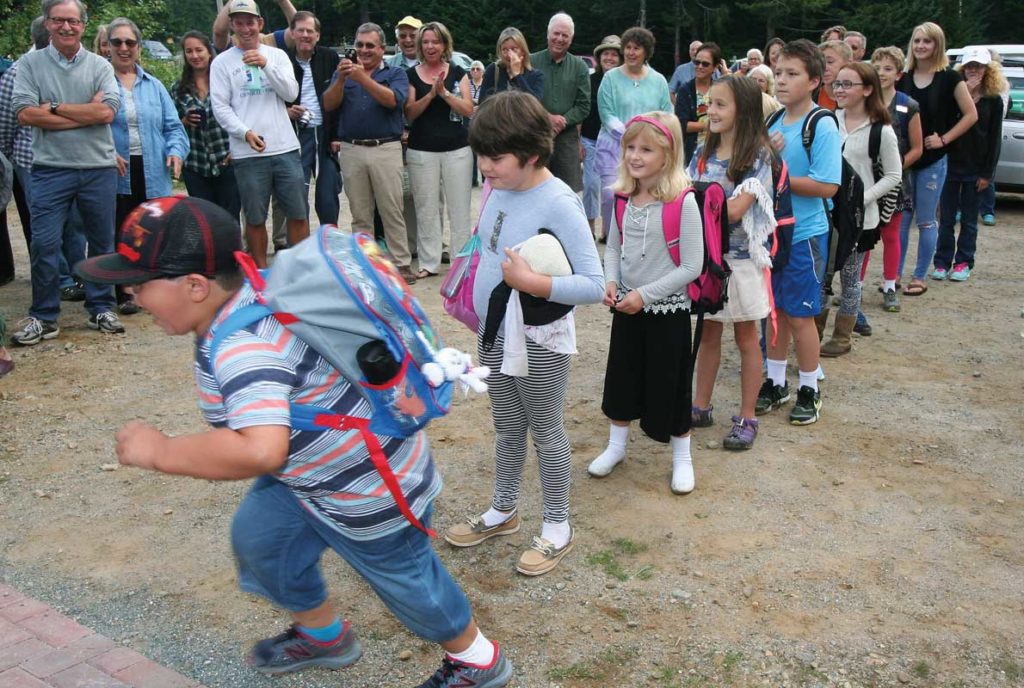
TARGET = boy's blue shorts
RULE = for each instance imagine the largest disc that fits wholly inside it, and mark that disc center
(797, 288)
(278, 544)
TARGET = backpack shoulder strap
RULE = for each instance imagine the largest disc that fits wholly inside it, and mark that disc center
(484, 195)
(671, 217)
(811, 126)
(774, 117)
(875, 141)
(620, 212)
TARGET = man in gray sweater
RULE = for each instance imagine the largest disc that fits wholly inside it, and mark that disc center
(69, 96)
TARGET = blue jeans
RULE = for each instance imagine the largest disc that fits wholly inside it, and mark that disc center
(959, 194)
(927, 183)
(278, 543)
(221, 190)
(54, 192)
(72, 245)
(326, 197)
(591, 179)
(987, 199)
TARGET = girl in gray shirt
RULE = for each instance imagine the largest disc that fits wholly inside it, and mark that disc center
(648, 372)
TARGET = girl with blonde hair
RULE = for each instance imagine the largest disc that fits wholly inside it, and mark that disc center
(648, 371)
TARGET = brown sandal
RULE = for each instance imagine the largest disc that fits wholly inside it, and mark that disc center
(424, 274)
(915, 288)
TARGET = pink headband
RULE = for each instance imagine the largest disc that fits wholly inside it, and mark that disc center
(654, 123)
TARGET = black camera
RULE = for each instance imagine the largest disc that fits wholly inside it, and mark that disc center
(352, 56)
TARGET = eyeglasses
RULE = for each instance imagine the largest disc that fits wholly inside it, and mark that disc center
(60, 21)
(845, 85)
(701, 63)
(118, 42)
(365, 46)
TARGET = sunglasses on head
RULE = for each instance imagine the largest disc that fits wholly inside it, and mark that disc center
(118, 42)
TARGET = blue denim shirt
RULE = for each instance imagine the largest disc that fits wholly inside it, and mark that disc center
(161, 131)
(362, 117)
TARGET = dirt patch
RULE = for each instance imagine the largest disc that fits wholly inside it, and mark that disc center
(883, 545)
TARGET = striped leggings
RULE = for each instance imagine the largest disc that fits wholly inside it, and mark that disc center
(535, 403)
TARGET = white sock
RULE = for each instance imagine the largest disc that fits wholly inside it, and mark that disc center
(613, 454)
(820, 373)
(556, 533)
(493, 517)
(481, 652)
(810, 379)
(889, 284)
(682, 465)
(777, 372)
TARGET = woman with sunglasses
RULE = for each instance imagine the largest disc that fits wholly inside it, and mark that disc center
(692, 97)
(207, 172)
(148, 136)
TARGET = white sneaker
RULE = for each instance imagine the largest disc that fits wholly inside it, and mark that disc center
(683, 480)
(604, 464)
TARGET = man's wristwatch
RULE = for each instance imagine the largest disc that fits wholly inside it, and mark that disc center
(53, 108)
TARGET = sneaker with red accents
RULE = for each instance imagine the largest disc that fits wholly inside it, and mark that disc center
(454, 673)
(960, 272)
(293, 650)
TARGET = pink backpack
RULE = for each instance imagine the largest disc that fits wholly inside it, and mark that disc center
(710, 291)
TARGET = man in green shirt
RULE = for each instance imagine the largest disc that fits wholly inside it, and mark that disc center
(566, 98)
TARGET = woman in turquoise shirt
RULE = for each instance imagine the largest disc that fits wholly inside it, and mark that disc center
(148, 136)
(626, 91)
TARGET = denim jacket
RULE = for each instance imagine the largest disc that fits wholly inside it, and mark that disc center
(161, 131)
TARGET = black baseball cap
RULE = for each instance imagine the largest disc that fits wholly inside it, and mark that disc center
(168, 237)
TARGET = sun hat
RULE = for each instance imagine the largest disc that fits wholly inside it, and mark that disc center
(609, 42)
(168, 237)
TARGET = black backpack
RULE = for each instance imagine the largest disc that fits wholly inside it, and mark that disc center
(846, 219)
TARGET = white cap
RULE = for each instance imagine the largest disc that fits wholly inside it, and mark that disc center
(244, 7)
(976, 53)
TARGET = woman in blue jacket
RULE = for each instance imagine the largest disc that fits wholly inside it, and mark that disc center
(148, 136)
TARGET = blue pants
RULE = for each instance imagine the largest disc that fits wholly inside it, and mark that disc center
(278, 543)
(987, 199)
(927, 184)
(54, 191)
(326, 198)
(222, 189)
(958, 195)
(72, 247)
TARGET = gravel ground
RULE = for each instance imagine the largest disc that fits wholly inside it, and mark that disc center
(879, 547)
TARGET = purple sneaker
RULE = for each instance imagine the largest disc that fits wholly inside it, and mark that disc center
(701, 417)
(742, 435)
(293, 651)
(454, 673)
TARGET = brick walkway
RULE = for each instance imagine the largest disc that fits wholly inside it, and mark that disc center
(41, 648)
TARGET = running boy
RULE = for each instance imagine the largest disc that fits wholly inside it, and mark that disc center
(313, 490)
(797, 287)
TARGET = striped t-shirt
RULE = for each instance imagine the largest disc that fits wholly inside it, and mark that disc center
(263, 368)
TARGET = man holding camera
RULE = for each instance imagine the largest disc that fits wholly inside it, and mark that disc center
(314, 67)
(250, 86)
(369, 97)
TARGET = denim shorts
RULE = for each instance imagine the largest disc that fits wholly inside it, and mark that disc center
(797, 289)
(280, 175)
(278, 543)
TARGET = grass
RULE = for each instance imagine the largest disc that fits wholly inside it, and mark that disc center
(921, 669)
(595, 669)
(1013, 671)
(608, 561)
(579, 670)
(731, 660)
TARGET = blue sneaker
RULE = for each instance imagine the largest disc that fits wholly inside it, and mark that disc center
(294, 651)
(862, 326)
(988, 219)
(960, 273)
(454, 673)
(939, 274)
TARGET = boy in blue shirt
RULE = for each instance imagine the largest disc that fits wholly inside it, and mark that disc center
(313, 490)
(797, 287)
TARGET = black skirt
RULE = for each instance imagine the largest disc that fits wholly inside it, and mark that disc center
(648, 374)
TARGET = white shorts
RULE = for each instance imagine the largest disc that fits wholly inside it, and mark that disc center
(748, 293)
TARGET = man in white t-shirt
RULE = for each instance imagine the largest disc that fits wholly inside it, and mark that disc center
(250, 86)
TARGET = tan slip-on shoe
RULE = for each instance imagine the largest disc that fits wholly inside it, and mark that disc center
(543, 555)
(474, 531)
